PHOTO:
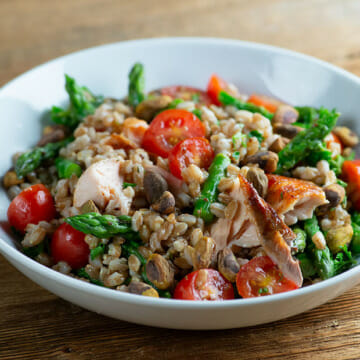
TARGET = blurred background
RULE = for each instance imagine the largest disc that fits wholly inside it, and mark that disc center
(34, 31)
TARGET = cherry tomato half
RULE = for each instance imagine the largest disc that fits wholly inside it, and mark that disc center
(169, 128)
(215, 85)
(31, 206)
(186, 93)
(204, 284)
(68, 245)
(351, 174)
(196, 151)
(260, 276)
(332, 139)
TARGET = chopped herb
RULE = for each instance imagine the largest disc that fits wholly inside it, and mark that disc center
(282, 195)
(83, 274)
(236, 155)
(197, 112)
(257, 134)
(263, 290)
(126, 184)
(239, 137)
(342, 183)
(174, 104)
(99, 250)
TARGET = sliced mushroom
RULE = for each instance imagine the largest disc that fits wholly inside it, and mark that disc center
(286, 130)
(258, 179)
(10, 179)
(154, 185)
(52, 134)
(148, 108)
(159, 271)
(285, 114)
(102, 182)
(267, 160)
(279, 144)
(227, 264)
(140, 288)
(347, 136)
(335, 194)
(166, 203)
(204, 252)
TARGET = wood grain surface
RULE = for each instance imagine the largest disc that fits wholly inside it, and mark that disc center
(35, 324)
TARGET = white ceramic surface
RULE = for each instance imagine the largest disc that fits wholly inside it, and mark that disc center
(292, 77)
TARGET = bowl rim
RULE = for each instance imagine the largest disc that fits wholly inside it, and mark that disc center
(46, 272)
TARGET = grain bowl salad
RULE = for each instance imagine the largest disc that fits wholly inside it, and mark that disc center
(189, 194)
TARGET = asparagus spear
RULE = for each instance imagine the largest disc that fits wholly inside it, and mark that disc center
(82, 104)
(322, 258)
(305, 141)
(31, 160)
(66, 168)
(355, 241)
(300, 242)
(103, 226)
(209, 192)
(228, 100)
(136, 85)
(307, 267)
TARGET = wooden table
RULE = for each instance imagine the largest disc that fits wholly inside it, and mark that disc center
(35, 324)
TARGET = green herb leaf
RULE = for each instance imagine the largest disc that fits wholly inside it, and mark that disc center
(99, 250)
(126, 184)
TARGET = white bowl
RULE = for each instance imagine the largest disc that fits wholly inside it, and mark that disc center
(292, 77)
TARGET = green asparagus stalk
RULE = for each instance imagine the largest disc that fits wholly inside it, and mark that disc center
(82, 104)
(31, 160)
(210, 191)
(136, 85)
(322, 258)
(302, 144)
(66, 168)
(228, 100)
(103, 226)
(307, 267)
(300, 241)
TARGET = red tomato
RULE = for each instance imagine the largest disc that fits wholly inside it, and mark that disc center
(215, 85)
(264, 101)
(31, 206)
(68, 245)
(186, 93)
(331, 139)
(196, 151)
(351, 174)
(170, 127)
(260, 276)
(204, 284)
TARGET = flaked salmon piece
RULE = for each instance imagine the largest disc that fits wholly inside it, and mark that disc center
(134, 129)
(257, 223)
(295, 199)
(102, 182)
(131, 135)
